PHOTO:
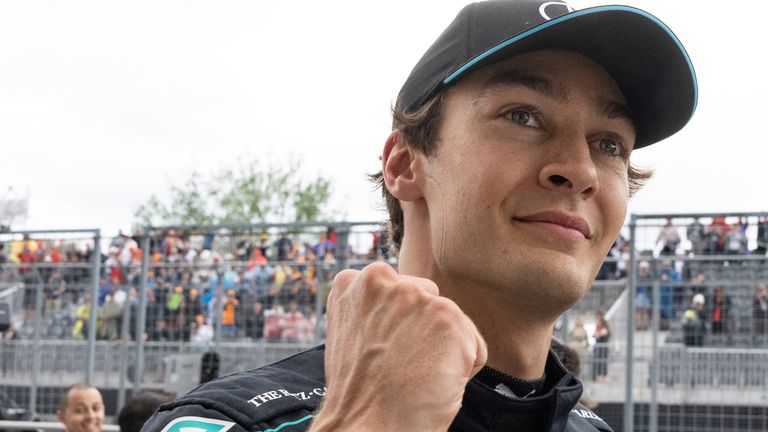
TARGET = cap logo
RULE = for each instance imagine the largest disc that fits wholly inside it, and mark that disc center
(544, 6)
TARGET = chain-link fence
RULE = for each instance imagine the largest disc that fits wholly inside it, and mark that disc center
(684, 343)
(171, 307)
(178, 305)
(48, 279)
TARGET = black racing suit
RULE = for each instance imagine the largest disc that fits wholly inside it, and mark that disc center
(284, 396)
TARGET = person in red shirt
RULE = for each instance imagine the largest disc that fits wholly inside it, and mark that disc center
(55, 255)
(257, 259)
(26, 257)
(293, 324)
(720, 308)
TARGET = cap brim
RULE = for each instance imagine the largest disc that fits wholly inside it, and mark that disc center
(641, 53)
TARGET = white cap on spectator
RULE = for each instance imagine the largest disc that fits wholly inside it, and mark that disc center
(698, 299)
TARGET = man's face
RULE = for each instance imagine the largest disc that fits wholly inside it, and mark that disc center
(84, 412)
(528, 187)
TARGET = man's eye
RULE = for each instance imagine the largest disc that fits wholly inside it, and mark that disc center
(610, 146)
(523, 117)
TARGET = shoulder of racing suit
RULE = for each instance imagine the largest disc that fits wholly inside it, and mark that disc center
(285, 396)
(282, 397)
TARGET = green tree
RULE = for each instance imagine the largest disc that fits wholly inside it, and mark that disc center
(247, 193)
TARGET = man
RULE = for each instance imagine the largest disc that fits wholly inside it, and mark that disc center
(762, 236)
(669, 238)
(694, 322)
(81, 409)
(506, 177)
(3, 258)
(760, 314)
(720, 311)
(695, 234)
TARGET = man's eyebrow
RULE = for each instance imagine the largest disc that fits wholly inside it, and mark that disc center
(616, 110)
(608, 109)
(535, 83)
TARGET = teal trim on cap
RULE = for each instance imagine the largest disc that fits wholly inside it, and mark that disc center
(301, 420)
(576, 14)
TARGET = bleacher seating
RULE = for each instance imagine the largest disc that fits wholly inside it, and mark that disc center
(711, 366)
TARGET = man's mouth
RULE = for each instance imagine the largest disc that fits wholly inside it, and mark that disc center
(561, 221)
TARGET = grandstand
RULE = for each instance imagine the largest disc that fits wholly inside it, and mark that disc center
(142, 314)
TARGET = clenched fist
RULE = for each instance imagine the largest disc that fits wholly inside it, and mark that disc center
(397, 355)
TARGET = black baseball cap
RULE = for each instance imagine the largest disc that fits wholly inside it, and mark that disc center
(641, 53)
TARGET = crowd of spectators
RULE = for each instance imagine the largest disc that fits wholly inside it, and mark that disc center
(266, 285)
(710, 292)
(711, 318)
(261, 289)
(262, 286)
(57, 265)
(716, 238)
(713, 303)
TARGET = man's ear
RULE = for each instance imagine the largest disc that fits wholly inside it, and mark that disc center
(398, 163)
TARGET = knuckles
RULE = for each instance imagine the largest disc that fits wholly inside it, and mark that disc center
(379, 284)
(377, 274)
(374, 280)
(344, 279)
(444, 311)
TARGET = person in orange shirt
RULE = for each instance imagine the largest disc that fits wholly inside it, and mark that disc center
(228, 317)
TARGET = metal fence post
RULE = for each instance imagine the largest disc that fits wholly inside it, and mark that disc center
(36, 341)
(653, 414)
(320, 275)
(138, 374)
(96, 274)
(125, 336)
(342, 245)
(629, 411)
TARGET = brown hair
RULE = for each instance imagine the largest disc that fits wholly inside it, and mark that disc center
(420, 128)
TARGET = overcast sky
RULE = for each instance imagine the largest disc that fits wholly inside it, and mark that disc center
(104, 103)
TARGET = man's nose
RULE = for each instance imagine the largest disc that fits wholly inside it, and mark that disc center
(570, 169)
